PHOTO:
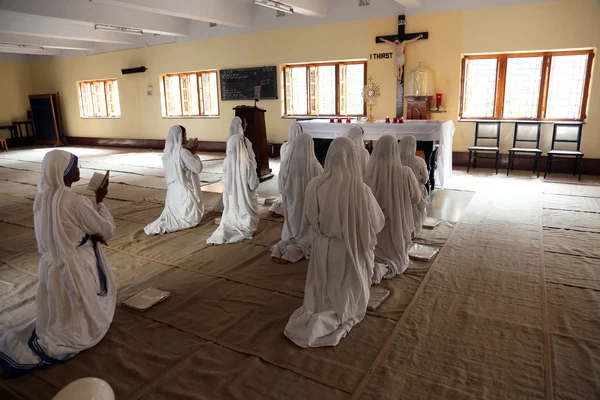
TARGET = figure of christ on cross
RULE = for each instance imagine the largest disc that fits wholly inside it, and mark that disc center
(400, 41)
(400, 47)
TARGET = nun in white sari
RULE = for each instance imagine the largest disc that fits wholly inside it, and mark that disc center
(183, 206)
(408, 149)
(345, 218)
(396, 190)
(76, 292)
(296, 172)
(240, 183)
(356, 134)
(277, 208)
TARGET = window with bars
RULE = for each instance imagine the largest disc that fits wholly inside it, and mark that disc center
(526, 86)
(190, 94)
(325, 89)
(99, 99)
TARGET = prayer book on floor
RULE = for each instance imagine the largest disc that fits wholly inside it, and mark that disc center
(422, 252)
(146, 299)
(98, 180)
(431, 223)
(378, 295)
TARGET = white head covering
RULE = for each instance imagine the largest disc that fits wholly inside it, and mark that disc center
(408, 150)
(356, 134)
(239, 165)
(303, 160)
(294, 130)
(47, 212)
(172, 155)
(391, 183)
(347, 208)
(236, 127)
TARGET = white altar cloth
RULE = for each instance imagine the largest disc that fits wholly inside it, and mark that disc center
(422, 130)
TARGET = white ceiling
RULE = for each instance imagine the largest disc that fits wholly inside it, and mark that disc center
(65, 28)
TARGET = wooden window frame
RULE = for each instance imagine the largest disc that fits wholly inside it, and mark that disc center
(337, 88)
(502, 62)
(199, 75)
(92, 82)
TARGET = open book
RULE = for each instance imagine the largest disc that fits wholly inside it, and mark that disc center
(98, 180)
(191, 143)
(146, 299)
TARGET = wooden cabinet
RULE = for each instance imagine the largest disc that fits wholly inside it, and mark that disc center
(417, 107)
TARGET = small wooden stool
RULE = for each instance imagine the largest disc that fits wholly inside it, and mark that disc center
(3, 145)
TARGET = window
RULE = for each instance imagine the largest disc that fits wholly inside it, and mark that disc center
(99, 99)
(190, 94)
(532, 86)
(325, 89)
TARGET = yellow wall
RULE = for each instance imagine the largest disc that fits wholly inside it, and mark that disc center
(550, 25)
(15, 86)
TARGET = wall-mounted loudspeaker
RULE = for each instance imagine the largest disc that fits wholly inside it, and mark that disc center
(135, 70)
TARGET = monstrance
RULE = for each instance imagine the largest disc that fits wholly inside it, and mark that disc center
(371, 93)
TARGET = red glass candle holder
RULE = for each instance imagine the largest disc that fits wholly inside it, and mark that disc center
(387, 120)
(348, 120)
(339, 120)
(331, 120)
(401, 120)
(395, 120)
(438, 100)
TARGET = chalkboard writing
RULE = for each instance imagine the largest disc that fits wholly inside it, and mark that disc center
(238, 84)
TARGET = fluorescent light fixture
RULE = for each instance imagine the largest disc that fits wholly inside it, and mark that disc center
(121, 29)
(275, 5)
(21, 46)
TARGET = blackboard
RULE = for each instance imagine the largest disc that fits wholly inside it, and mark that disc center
(238, 84)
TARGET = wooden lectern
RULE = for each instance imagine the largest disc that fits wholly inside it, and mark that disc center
(256, 132)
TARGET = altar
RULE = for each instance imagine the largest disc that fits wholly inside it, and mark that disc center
(433, 137)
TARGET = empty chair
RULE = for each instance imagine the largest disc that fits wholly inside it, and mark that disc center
(565, 133)
(490, 133)
(525, 132)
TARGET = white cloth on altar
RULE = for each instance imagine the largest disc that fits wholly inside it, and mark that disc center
(293, 130)
(422, 130)
(408, 149)
(183, 205)
(396, 190)
(296, 172)
(76, 293)
(240, 183)
(345, 219)
(356, 134)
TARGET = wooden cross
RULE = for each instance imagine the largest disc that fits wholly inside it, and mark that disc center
(402, 36)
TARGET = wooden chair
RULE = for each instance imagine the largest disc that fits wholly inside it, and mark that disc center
(528, 132)
(3, 145)
(489, 132)
(565, 133)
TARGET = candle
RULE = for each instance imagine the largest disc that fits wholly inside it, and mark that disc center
(438, 100)
(340, 120)
(387, 120)
(331, 120)
(395, 120)
(348, 120)
(401, 120)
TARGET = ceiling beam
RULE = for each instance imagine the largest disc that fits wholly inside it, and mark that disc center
(25, 50)
(48, 43)
(236, 13)
(33, 25)
(311, 8)
(95, 13)
(410, 3)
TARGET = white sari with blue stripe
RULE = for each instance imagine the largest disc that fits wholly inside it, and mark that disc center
(76, 294)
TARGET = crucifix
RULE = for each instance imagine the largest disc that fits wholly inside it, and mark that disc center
(400, 41)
